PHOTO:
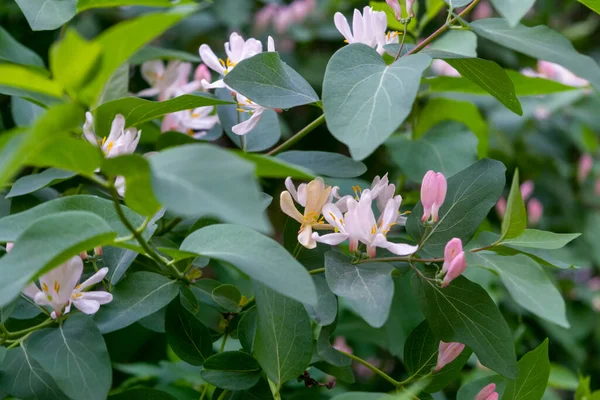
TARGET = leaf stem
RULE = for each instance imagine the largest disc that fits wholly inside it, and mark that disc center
(18, 342)
(223, 395)
(441, 29)
(223, 342)
(138, 236)
(204, 391)
(374, 369)
(294, 139)
(401, 43)
(316, 271)
(30, 329)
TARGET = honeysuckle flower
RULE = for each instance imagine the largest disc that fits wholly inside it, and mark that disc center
(454, 261)
(395, 4)
(433, 194)
(167, 82)
(535, 210)
(447, 353)
(526, 189)
(237, 49)
(555, 72)
(382, 191)
(586, 163)
(488, 393)
(245, 105)
(312, 196)
(442, 68)
(120, 140)
(483, 10)
(368, 28)
(334, 217)
(60, 289)
(409, 8)
(195, 123)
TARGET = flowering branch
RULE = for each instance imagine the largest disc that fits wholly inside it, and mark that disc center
(373, 368)
(294, 139)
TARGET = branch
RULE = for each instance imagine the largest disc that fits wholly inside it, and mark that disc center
(291, 141)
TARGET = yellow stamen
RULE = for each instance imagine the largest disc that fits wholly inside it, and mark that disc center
(103, 140)
(248, 101)
(190, 132)
(110, 146)
(241, 110)
(45, 287)
(56, 287)
(346, 41)
(76, 295)
(222, 62)
(332, 216)
(195, 115)
(373, 229)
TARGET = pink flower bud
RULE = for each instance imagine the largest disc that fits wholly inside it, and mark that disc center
(98, 251)
(447, 353)
(9, 246)
(455, 269)
(340, 344)
(586, 162)
(483, 10)
(433, 194)
(202, 73)
(527, 189)
(501, 207)
(487, 393)
(395, 4)
(409, 8)
(451, 251)
(535, 210)
(83, 255)
(263, 17)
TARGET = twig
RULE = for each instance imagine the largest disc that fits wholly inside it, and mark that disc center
(291, 141)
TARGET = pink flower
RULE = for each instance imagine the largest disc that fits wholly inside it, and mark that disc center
(535, 210)
(454, 261)
(263, 18)
(488, 393)
(409, 8)
(442, 68)
(586, 163)
(433, 194)
(340, 344)
(483, 10)
(527, 189)
(395, 4)
(447, 353)
(501, 207)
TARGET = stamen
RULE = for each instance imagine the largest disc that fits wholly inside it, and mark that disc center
(103, 140)
(110, 146)
(332, 216)
(45, 287)
(190, 132)
(222, 62)
(374, 229)
(195, 115)
(56, 287)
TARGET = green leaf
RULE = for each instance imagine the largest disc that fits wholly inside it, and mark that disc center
(271, 167)
(471, 195)
(464, 312)
(440, 109)
(514, 221)
(14, 52)
(72, 60)
(471, 389)
(524, 85)
(283, 343)
(541, 239)
(68, 153)
(138, 181)
(326, 350)
(83, 5)
(258, 256)
(268, 81)
(246, 329)
(591, 4)
(31, 183)
(149, 53)
(231, 370)
(368, 288)
(117, 85)
(325, 311)
(180, 182)
(364, 396)
(75, 355)
(513, 10)
(461, 42)
(122, 41)
(24, 78)
(534, 370)
(137, 111)
(539, 42)
(142, 394)
(228, 297)
(47, 243)
(527, 283)
(23, 377)
(562, 378)
(365, 100)
(47, 15)
(325, 164)
(24, 112)
(137, 296)
(490, 77)
(446, 148)
(186, 335)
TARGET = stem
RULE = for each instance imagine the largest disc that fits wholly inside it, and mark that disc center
(243, 143)
(222, 396)
(373, 368)
(316, 271)
(31, 329)
(294, 139)
(441, 29)
(223, 342)
(204, 391)
(99, 180)
(406, 259)
(171, 225)
(18, 342)
(401, 43)
(138, 236)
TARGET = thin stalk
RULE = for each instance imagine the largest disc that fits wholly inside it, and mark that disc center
(18, 342)
(223, 395)
(442, 29)
(401, 43)
(31, 329)
(170, 226)
(373, 368)
(316, 271)
(294, 139)
(204, 391)
(223, 342)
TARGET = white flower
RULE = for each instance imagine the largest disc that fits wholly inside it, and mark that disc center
(120, 140)
(368, 28)
(312, 196)
(166, 82)
(237, 49)
(60, 289)
(245, 105)
(195, 123)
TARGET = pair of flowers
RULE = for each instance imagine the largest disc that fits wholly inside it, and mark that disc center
(59, 289)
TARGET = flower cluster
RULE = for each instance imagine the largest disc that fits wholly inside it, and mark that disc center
(283, 16)
(367, 28)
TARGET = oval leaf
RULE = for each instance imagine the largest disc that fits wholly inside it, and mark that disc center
(186, 335)
(325, 164)
(231, 370)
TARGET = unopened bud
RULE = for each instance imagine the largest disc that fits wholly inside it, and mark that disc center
(586, 162)
(202, 73)
(409, 8)
(83, 255)
(451, 251)
(395, 4)
(488, 393)
(9, 246)
(98, 251)
(527, 188)
(447, 353)
(433, 194)
(535, 210)
(194, 274)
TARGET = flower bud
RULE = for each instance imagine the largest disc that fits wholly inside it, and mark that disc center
(395, 4)
(433, 194)
(456, 268)
(98, 251)
(487, 393)
(451, 251)
(527, 189)
(83, 255)
(202, 73)
(535, 210)
(9, 246)
(586, 162)
(409, 8)
(447, 353)
(501, 207)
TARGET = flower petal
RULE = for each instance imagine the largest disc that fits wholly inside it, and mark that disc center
(287, 206)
